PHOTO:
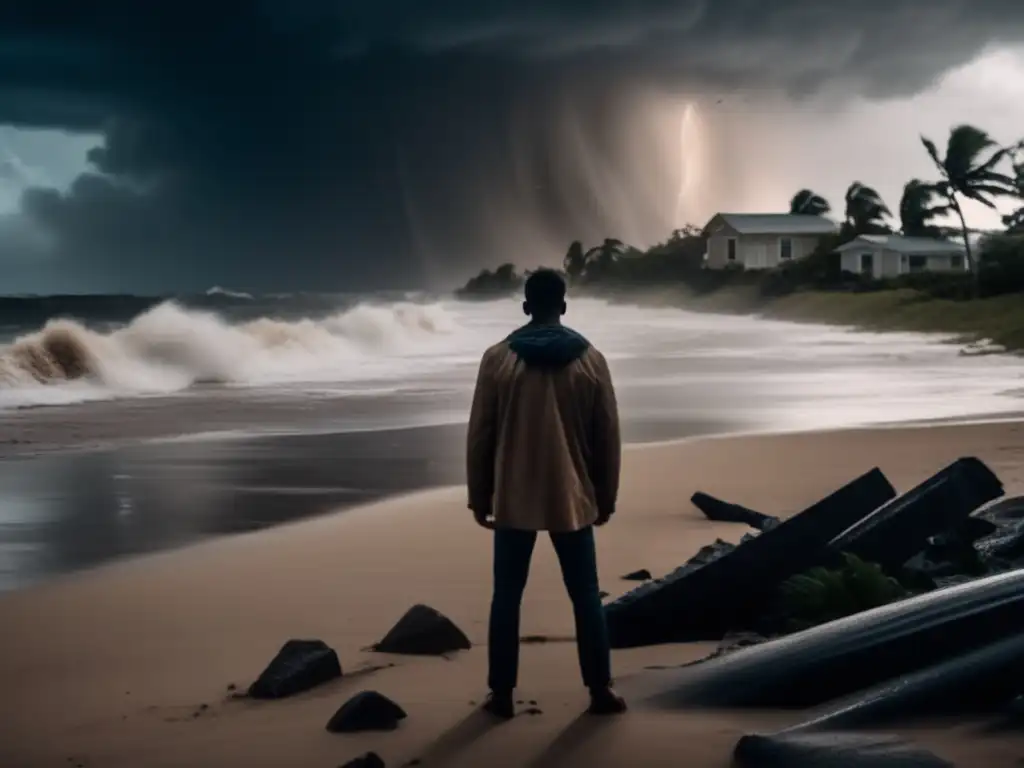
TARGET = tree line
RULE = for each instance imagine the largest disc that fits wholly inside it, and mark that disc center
(973, 166)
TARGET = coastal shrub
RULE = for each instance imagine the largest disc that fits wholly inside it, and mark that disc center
(1001, 264)
(825, 594)
(957, 286)
(813, 289)
(503, 281)
(613, 264)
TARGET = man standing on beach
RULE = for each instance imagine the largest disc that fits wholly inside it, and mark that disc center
(543, 454)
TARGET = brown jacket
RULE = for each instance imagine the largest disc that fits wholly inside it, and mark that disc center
(543, 450)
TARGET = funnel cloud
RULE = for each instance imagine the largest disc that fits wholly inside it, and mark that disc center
(355, 145)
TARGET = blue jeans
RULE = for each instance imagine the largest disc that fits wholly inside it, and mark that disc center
(578, 559)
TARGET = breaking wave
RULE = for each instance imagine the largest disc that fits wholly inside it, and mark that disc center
(170, 348)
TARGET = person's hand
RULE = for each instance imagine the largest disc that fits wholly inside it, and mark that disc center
(483, 518)
(602, 518)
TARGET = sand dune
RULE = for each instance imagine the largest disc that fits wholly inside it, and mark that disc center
(112, 667)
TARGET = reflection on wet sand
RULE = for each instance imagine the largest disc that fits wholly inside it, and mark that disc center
(65, 512)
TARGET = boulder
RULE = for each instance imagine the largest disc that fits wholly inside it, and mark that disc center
(423, 631)
(897, 531)
(921, 573)
(951, 553)
(366, 711)
(724, 587)
(983, 680)
(369, 760)
(726, 512)
(957, 545)
(1006, 542)
(971, 529)
(1006, 510)
(297, 667)
(642, 575)
(850, 654)
(833, 750)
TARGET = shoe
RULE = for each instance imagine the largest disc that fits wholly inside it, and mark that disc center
(605, 701)
(500, 705)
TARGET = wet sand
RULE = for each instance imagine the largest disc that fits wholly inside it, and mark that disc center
(215, 413)
(111, 667)
(69, 510)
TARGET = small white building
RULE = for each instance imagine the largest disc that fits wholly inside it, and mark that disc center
(762, 240)
(893, 255)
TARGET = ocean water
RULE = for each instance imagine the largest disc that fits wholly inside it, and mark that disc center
(419, 355)
(332, 401)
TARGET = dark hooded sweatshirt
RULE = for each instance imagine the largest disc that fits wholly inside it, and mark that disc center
(543, 451)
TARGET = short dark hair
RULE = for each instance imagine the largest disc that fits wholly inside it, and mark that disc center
(544, 291)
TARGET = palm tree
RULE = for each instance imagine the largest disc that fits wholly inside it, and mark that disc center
(601, 257)
(1014, 222)
(969, 170)
(917, 211)
(809, 203)
(865, 211)
(575, 260)
(608, 248)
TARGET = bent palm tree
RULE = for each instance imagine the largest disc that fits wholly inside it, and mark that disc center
(809, 203)
(865, 211)
(1014, 222)
(574, 261)
(917, 211)
(966, 171)
(601, 258)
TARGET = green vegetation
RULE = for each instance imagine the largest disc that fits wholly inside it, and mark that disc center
(984, 302)
(503, 281)
(825, 594)
(917, 211)
(966, 172)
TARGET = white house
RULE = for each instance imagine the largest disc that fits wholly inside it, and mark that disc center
(891, 255)
(762, 240)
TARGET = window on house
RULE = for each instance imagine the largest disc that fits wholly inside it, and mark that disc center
(956, 262)
(731, 248)
(867, 263)
(785, 248)
(918, 263)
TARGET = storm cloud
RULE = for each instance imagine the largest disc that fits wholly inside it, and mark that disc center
(350, 145)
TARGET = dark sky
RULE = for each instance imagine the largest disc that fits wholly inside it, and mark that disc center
(353, 145)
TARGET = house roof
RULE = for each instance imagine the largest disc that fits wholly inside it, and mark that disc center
(901, 244)
(776, 223)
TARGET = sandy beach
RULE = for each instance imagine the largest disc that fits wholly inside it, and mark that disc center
(130, 664)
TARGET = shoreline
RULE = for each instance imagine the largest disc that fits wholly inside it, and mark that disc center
(91, 509)
(454, 492)
(155, 637)
(13, 448)
(229, 412)
(941, 421)
(963, 323)
(116, 424)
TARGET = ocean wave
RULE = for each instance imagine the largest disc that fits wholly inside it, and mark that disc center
(170, 348)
